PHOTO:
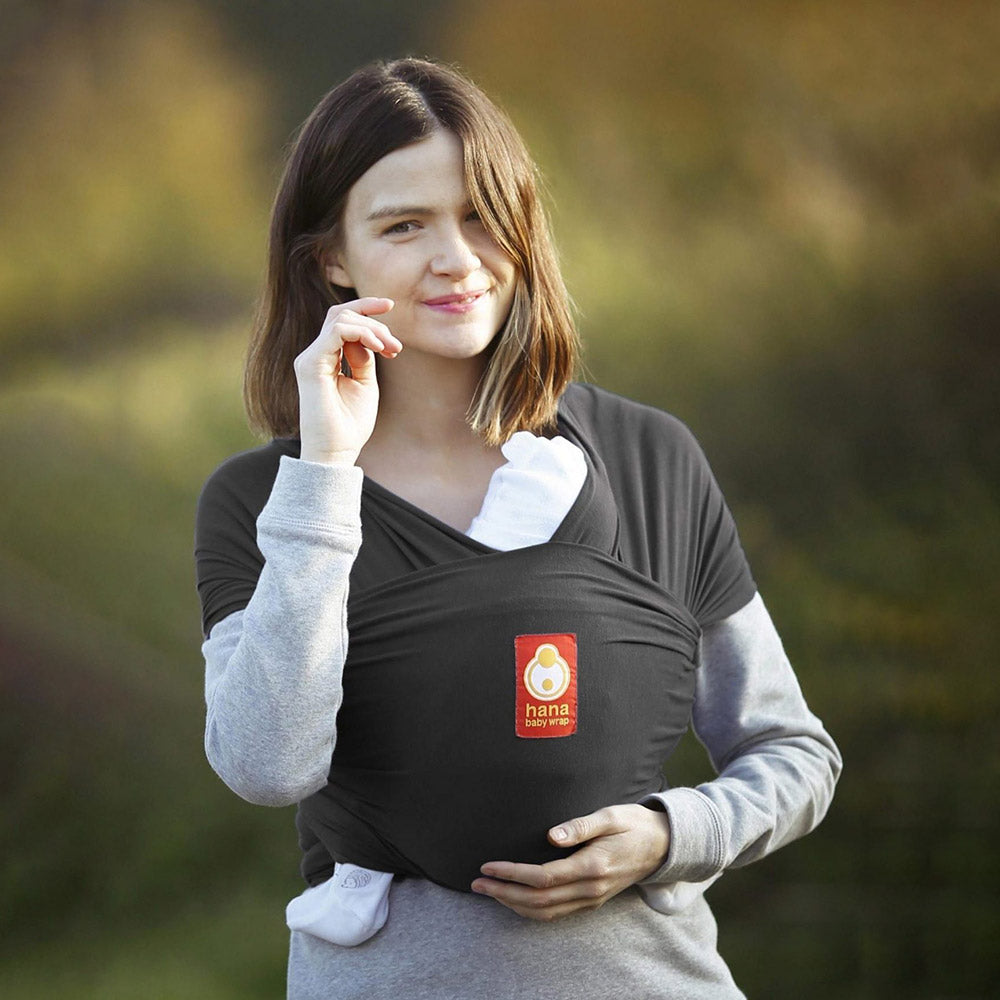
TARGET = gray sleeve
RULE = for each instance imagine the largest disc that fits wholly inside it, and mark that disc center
(273, 671)
(776, 764)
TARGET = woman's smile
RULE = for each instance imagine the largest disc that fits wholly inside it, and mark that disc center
(462, 302)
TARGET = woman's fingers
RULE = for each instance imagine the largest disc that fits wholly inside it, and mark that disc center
(621, 845)
(337, 411)
(587, 872)
(580, 866)
(547, 904)
(583, 881)
(356, 315)
(321, 358)
(345, 332)
(370, 306)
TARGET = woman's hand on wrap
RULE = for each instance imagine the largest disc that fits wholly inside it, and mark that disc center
(336, 411)
(621, 845)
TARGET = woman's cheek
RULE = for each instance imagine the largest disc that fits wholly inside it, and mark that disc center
(391, 268)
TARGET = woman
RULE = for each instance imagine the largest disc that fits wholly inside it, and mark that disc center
(541, 582)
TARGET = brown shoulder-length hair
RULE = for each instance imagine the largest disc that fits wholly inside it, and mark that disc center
(377, 110)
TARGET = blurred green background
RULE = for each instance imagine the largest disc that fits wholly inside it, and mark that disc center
(779, 221)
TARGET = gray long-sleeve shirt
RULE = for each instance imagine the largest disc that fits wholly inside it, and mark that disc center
(273, 685)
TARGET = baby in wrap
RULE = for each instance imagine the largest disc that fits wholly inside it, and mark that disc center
(527, 499)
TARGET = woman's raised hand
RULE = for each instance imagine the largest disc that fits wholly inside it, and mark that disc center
(336, 411)
(622, 845)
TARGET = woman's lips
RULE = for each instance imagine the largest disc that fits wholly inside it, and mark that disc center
(459, 303)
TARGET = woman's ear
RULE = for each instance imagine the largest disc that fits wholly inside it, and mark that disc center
(334, 269)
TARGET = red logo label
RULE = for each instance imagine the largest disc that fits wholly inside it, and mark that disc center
(546, 685)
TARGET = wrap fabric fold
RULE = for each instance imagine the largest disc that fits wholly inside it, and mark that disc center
(431, 670)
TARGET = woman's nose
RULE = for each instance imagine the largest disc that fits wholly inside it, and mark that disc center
(454, 256)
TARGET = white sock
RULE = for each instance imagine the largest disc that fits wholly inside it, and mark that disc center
(350, 907)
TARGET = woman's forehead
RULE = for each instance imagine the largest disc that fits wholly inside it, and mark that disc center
(427, 175)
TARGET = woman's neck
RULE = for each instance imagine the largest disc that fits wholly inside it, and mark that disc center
(422, 447)
(423, 401)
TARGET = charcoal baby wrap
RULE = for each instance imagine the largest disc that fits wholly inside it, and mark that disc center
(429, 776)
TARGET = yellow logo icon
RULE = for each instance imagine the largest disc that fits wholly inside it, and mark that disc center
(547, 674)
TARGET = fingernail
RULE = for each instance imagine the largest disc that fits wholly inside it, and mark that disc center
(559, 833)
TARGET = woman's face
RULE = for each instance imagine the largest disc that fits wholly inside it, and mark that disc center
(411, 235)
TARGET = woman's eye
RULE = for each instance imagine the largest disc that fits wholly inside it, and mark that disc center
(473, 217)
(401, 228)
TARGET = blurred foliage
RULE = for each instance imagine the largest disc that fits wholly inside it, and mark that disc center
(779, 221)
(130, 177)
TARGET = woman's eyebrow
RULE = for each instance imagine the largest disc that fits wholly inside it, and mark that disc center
(392, 211)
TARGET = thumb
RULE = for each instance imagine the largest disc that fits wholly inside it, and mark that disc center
(581, 829)
(361, 361)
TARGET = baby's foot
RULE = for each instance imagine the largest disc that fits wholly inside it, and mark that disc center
(350, 907)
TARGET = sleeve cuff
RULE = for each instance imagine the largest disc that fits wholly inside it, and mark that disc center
(316, 497)
(696, 850)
